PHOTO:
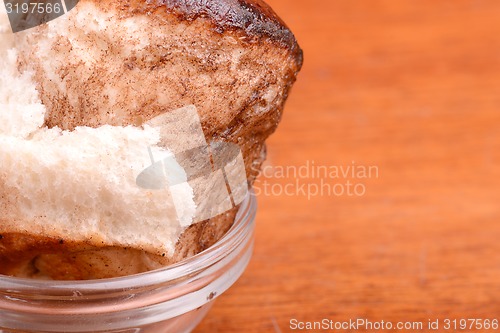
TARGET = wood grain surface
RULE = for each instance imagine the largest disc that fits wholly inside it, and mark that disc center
(411, 89)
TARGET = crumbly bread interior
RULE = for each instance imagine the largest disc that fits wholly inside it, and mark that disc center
(75, 102)
(77, 186)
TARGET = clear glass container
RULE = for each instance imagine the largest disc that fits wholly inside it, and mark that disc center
(172, 299)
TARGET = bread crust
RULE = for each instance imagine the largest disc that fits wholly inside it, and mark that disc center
(242, 105)
(251, 18)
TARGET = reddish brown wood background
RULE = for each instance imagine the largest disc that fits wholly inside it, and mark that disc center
(413, 88)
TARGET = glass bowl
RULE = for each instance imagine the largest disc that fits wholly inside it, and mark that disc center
(171, 299)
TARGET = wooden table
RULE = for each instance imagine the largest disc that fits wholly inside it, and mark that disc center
(411, 89)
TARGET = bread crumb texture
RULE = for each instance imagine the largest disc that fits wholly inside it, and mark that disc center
(75, 97)
(79, 184)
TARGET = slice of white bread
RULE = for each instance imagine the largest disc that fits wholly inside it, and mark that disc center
(94, 77)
